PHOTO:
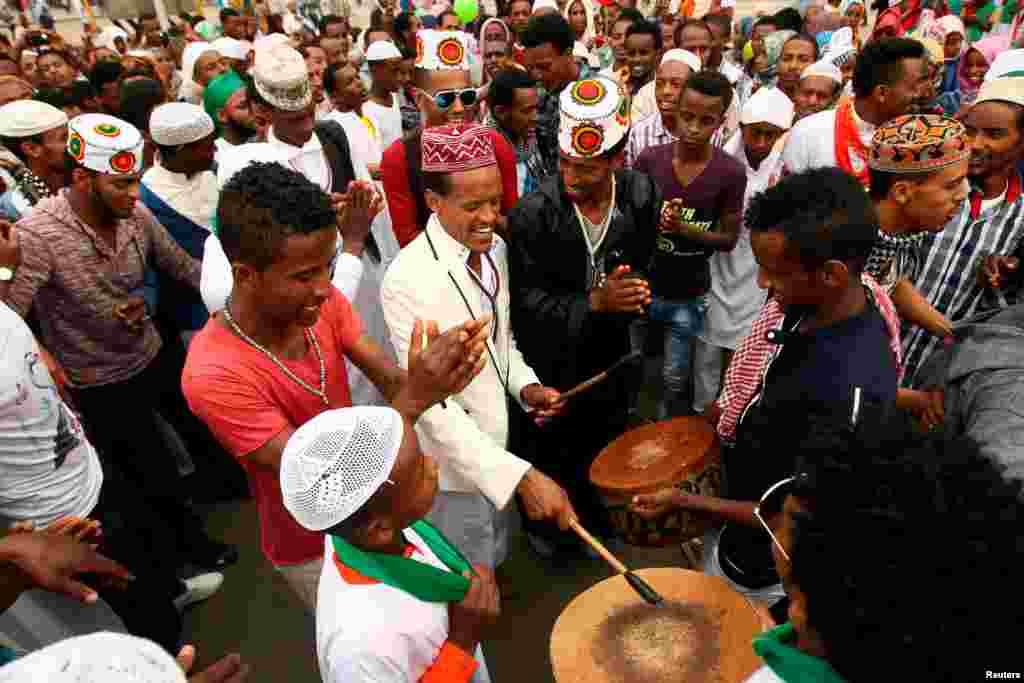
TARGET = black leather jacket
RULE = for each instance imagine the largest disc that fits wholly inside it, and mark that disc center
(560, 337)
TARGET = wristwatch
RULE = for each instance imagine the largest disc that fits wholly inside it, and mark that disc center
(6, 274)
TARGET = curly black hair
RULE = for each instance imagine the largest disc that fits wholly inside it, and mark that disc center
(907, 548)
(262, 205)
(549, 28)
(647, 28)
(824, 215)
(881, 63)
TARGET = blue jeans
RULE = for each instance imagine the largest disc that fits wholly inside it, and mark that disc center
(683, 320)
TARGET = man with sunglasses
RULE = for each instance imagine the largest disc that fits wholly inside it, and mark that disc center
(444, 95)
(832, 346)
(916, 602)
(458, 267)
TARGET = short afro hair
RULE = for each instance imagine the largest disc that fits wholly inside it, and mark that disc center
(262, 205)
(711, 84)
(502, 91)
(647, 28)
(549, 28)
(824, 215)
(907, 546)
(880, 63)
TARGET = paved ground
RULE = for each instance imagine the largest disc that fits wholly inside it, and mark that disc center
(256, 614)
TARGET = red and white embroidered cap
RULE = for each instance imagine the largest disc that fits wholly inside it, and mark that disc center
(457, 147)
(101, 657)
(594, 117)
(333, 464)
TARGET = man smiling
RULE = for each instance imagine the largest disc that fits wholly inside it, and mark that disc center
(444, 94)
(655, 107)
(458, 268)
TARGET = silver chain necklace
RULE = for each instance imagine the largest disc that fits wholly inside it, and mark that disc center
(322, 393)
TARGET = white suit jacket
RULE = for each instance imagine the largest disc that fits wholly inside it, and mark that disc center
(468, 438)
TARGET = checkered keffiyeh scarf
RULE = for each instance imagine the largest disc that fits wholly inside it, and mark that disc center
(893, 257)
(747, 369)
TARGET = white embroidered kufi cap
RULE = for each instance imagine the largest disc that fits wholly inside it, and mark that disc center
(594, 117)
(179, 123)
(281, 78)
(101, 657)
(335, 462)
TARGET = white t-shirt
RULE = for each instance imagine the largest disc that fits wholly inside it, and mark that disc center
(387, 119)
(377, 633)
(48, 469)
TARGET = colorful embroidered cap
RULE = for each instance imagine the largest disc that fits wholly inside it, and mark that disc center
(105, 144)
(333, 464)
(594, 117)
(281, 78)
(918, 143)
(458, 147)
(437, 50)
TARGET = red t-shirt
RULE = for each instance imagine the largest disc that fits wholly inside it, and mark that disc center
(246, 400)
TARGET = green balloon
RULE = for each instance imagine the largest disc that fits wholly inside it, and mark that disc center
(467, 10)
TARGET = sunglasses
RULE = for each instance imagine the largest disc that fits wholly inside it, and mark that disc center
(770, 505)
(445, 99)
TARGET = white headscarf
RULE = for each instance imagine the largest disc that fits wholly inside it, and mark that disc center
(588, 8)
(768, 105)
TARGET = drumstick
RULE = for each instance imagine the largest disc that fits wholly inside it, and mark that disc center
(597, 379)
(642, 588)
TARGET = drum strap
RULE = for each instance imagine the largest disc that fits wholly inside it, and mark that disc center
(423, 581)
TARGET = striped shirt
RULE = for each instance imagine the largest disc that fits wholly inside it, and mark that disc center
(649, 131)
(948, 270)
(75, 279)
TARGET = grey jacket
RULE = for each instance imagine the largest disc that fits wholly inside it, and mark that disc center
(983, 374)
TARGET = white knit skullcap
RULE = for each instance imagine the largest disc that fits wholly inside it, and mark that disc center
(179, 123)
(231, 48)
(25, 118)
(685, 56)
(823, 67)
(335, 462)
(96, 658)
(281, 78)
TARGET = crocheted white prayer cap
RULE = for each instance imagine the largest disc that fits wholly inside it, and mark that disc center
(105, 144)
(232, 48)
(594, 117)
(96, 658)
(281, 78)
(685, 56)
(823, 67)
(335, 462)
(179, 123)
(25, 118)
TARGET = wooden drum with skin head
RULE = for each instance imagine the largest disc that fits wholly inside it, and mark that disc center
(682, 452)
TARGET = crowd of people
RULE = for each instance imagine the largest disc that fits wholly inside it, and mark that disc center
(350, 273)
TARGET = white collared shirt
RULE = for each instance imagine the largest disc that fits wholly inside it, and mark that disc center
(194, 197)
(309, 160)
(488, 278)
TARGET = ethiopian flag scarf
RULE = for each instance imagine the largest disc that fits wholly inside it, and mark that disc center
(777, 650)
(423, 581)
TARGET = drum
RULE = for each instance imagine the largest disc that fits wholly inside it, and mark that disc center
(682, 452)
(702, 634)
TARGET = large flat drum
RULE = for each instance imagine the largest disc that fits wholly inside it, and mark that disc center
(682, 452)
(702, 634)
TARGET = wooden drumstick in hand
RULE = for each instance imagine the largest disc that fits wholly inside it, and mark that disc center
(643, 589)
